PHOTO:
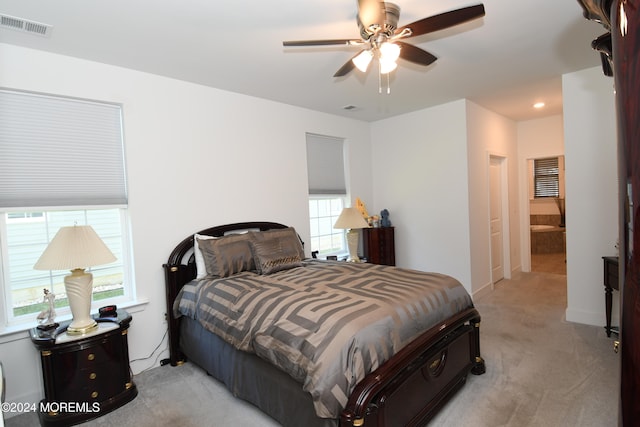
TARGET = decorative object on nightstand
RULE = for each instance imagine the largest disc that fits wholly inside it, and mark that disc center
(378, 245)
(351, 219)
(76, 248)
(85, 376)
(47, 316)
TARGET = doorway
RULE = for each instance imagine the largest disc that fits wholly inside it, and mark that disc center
(499, 219)
(547, 228)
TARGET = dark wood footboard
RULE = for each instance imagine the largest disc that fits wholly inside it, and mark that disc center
(409, 388)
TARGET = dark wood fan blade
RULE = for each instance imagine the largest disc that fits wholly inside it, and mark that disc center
(371, 12)
(414, 54)
(347, 67)
(444, 20)
(346, 42)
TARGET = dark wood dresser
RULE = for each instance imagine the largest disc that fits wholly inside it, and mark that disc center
(378, 245)
(84, 376)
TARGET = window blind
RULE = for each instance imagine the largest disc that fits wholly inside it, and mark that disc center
(546, 177)
(57, 151)
(325, 165)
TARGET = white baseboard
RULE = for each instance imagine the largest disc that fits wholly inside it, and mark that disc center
(484, 290)
(593, 318)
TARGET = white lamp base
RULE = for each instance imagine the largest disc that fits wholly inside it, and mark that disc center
(79, 286)
(352, 242)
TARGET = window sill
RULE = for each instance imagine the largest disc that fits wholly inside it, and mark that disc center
(18, 332)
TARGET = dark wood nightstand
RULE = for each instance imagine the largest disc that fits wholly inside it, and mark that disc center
(379, 246)
(84, 376)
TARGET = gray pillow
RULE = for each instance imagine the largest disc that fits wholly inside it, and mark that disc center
(276, 250)
(227, 255)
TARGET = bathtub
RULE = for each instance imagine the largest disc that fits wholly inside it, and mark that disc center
(547, 239)
(539, 227)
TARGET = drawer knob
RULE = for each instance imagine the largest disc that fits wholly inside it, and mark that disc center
(91, 356)
(92, 376)
(94, 394)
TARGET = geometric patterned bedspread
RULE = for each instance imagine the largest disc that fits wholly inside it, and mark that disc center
(327, 324)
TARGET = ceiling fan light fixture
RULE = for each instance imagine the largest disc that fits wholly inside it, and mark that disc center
(387, 66)
(363, 60)
(389, 52)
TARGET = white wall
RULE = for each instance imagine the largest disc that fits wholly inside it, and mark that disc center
(490, 134)
(421, 176)
(196, 157)
(537, 138)
(591, 186)
(431, 172)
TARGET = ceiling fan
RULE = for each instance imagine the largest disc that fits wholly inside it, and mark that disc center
(380, 35)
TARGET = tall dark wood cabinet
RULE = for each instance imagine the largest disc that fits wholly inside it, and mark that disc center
(619, 48)
(378, 245)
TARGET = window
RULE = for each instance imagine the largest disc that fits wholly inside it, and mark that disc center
(61, 163)
(28, 234)
(327, 193)
(546, 177)
(323, 213)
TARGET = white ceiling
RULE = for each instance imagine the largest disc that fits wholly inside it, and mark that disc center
(505, 61)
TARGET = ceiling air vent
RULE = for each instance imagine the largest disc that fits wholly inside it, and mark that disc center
(349, 107)
(19, 24)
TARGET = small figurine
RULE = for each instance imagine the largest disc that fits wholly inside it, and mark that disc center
(47, 316)
(362, 208)
(384, 221)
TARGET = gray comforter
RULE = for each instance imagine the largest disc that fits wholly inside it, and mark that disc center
(327, 324)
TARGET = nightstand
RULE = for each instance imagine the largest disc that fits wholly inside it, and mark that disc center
(85, 376)
(378, 245)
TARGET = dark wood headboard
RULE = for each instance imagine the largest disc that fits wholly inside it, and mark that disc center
(180, 269)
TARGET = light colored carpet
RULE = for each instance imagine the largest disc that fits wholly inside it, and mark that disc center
(541, 371)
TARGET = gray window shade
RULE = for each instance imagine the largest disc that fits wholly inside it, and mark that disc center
(57, 151)
(546, 177)
(325, 165)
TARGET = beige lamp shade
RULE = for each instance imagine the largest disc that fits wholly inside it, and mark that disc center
(350, 218)
(74, 247)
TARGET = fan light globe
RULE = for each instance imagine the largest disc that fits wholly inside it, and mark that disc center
(363, 60)
(389, 52)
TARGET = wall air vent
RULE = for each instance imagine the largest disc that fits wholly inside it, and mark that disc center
(19, 24)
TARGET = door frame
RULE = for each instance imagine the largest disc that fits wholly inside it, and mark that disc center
(503, 163)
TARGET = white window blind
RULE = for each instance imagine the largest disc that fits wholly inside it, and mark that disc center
(57, 151)
(325, 165)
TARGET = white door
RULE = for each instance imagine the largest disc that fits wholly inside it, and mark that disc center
(495, 218)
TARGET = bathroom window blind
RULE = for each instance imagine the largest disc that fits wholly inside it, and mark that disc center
(57, 151)
(546, 174)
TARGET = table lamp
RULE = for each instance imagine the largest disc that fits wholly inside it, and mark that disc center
(351, 219)
(76, 248)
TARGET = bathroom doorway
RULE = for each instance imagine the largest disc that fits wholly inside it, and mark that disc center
(547, 215)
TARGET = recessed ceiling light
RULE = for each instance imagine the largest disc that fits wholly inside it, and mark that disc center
(538, 105)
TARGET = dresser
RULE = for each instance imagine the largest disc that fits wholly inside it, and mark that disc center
(84, 376)
(378, 245)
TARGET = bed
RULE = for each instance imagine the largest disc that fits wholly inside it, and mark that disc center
(318, 343)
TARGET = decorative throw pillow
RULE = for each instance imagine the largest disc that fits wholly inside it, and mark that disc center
(227, 255)
(201, 270)
(276, 250)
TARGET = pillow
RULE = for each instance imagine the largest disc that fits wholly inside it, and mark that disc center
(201, 270)
(227, 255)
(276, 250)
